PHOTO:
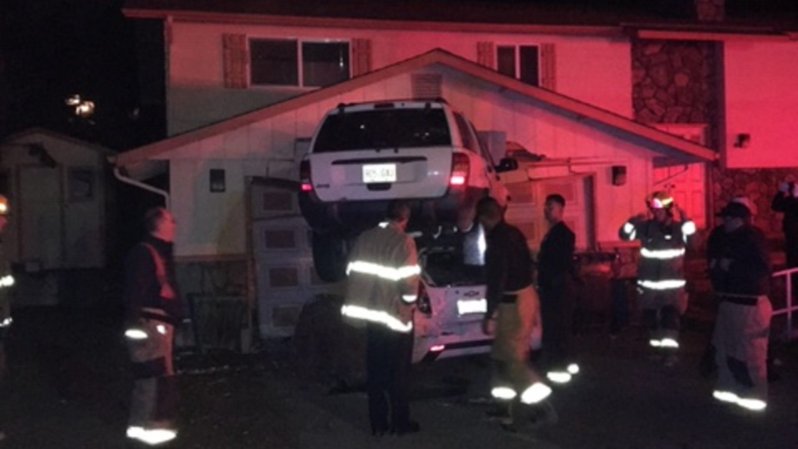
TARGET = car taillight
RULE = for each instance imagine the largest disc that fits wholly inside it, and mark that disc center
(460, 167)
(423, 302)
(304, 176)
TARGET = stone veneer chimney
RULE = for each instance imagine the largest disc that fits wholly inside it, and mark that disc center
(710, 10)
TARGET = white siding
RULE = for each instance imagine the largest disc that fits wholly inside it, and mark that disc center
(596, 70)
(213, 223)
(762, 101)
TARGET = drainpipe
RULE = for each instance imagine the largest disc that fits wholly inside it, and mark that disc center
(144, 186)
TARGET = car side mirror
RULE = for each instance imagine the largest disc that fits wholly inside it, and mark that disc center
(507, 164)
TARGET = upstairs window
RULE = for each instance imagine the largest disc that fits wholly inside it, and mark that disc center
(519, 61)
(284, 62)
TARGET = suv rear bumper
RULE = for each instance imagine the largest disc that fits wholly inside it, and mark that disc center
(352, 217)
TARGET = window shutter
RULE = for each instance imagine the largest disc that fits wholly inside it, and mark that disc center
(235, 61)
(361, 56)
(485, 54)
(547, 67)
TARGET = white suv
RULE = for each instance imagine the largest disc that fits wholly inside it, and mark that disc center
(366, 154)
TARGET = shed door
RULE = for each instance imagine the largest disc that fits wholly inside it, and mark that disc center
(40, 224)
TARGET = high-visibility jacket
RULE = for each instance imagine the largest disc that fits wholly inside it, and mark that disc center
(383, 275)
(6, 281)
(662, 249)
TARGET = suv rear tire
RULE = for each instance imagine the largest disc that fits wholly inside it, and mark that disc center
(330, 256)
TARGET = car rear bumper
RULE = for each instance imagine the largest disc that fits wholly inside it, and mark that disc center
(352, 217)
(443, 348)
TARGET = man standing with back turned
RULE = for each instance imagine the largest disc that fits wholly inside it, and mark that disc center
(383, 275)
(513, 310)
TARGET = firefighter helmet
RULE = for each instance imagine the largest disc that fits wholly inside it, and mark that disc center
(3, 205)
(660, 200)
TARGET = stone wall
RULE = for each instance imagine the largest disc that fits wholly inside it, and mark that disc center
(675, 82)
(759, 185)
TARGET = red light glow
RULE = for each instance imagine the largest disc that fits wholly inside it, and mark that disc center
(307, 187)
(457, 180)
(437, 348)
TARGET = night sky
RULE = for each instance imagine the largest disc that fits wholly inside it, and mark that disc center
(51, 49)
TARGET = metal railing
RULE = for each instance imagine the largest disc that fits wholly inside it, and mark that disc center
(788, 308)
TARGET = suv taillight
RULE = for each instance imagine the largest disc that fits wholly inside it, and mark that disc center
(460, 168)
(304, 176)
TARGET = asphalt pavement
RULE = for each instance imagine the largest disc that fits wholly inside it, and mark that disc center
(68, 383)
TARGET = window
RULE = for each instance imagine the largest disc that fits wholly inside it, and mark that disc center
(282, 62)
(519, 61)
(80, 184)
(383, 128)
(217, 180)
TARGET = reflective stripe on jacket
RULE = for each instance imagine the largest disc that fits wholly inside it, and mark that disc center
(383, 275)
(662, 249)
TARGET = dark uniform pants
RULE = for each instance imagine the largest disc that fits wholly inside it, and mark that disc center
(740, 339)
(661, 314)
(556, 310)
(153, 401)
(388, 356)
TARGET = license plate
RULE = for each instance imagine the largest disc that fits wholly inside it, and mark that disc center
(379, 173)
(469, 306)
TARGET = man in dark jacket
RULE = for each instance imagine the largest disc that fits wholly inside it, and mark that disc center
(555, 271)
(786, 202)
(513, 311)
(153, 309)
(739, 269)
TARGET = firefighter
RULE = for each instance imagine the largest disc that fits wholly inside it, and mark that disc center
(660, 271)
(739, 268)
(6, 281)
(382, 289)
(153, 309)
(512, 312)
(555, 272)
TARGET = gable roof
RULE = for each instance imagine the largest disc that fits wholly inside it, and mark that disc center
(575, 108)
(58, 136)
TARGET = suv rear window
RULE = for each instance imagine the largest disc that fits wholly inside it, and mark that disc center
(383, 128)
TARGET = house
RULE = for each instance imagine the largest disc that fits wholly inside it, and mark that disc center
(606, 97)
(60, 194)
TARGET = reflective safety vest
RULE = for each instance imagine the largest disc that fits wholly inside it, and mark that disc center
(383, 276)
(663, 245)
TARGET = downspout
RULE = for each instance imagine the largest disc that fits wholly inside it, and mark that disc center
(118, 174)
